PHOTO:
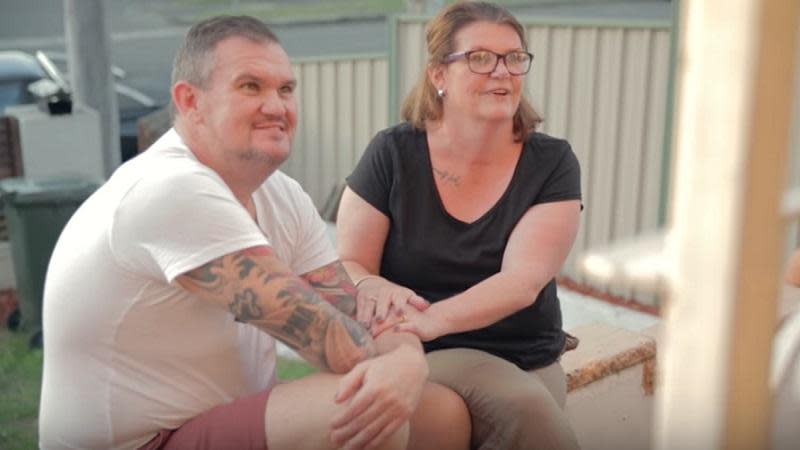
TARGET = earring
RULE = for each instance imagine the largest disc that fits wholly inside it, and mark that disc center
(440, 92)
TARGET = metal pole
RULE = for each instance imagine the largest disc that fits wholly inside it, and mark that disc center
(89, 64)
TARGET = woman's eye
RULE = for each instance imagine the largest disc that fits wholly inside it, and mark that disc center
(519, 58)
(481, 57)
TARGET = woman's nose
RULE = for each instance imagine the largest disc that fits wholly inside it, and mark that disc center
(498, 72)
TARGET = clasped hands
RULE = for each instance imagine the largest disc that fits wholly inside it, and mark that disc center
(382, 305)
(380, 394)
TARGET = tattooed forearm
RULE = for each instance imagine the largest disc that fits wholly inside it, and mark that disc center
(335, 287)
(245, 306)
(258, 289)
(339, 340)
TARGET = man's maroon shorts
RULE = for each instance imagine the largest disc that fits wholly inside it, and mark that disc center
(239, 424)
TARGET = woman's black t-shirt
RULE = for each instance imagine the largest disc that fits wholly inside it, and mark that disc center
(438, 256)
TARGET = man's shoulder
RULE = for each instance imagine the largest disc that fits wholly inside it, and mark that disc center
(279, 181)
(281, 189)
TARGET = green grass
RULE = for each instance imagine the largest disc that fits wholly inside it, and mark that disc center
(20, 380)
(20, 384)
(292, 370)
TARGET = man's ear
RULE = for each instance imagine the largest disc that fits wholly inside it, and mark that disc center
(184, 97)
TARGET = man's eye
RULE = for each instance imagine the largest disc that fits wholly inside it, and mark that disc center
(250, 86)
(288, 89)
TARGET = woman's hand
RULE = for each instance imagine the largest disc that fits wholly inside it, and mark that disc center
(381, 303)
(426, 325)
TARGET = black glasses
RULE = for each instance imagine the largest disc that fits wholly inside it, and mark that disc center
(484, 62)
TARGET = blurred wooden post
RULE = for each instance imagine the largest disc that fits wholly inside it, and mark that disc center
(725, 244)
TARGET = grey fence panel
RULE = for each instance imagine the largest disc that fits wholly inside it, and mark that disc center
(581, 113)
(601, 85)
(342, 103)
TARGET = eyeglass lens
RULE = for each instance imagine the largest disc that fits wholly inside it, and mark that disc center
(484, 61)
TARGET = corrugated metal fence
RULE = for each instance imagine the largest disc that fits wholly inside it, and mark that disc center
(601, 85)
(342, 104)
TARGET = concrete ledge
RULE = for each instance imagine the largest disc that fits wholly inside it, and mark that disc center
(610, 382)
(605, 350)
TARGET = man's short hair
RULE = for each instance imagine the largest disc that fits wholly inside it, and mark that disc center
(193, 62)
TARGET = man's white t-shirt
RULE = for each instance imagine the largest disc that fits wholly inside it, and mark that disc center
(128, 352)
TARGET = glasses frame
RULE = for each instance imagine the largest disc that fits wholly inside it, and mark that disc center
(453, 57)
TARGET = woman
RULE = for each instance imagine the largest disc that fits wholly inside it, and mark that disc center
(465, 207)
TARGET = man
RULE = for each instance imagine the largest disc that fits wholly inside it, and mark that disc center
(168, 285)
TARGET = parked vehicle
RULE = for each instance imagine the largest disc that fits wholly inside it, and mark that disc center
(18, 70)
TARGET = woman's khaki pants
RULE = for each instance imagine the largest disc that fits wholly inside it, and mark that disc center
(510, 408)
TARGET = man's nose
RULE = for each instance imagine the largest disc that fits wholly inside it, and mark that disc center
(272, 104)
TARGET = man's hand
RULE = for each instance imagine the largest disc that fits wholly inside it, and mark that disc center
(378, 396)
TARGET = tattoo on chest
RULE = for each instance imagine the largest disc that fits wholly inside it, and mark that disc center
(447, 177)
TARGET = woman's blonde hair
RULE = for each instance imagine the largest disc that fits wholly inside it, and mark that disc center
(423, 103)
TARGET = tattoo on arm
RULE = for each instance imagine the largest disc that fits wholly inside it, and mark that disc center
(245, 306)
(258, 289)
(335, 287)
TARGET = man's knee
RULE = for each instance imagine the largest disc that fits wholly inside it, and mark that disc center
(441, 420)
(299, 413)
(446, 401)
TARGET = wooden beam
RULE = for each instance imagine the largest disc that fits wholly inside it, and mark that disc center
(724, 249)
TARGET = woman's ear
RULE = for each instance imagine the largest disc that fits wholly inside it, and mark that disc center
(184, 98)
(436, 77)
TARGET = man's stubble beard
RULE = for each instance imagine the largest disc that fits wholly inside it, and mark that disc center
(256, 156)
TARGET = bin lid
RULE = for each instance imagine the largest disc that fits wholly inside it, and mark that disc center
(22, 191)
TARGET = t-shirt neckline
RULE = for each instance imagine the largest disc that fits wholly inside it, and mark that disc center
(423, 136)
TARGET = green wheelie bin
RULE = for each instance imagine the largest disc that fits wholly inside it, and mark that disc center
(36, 212)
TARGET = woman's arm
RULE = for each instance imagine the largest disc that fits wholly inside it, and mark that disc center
(361, 232)
(536, 249)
